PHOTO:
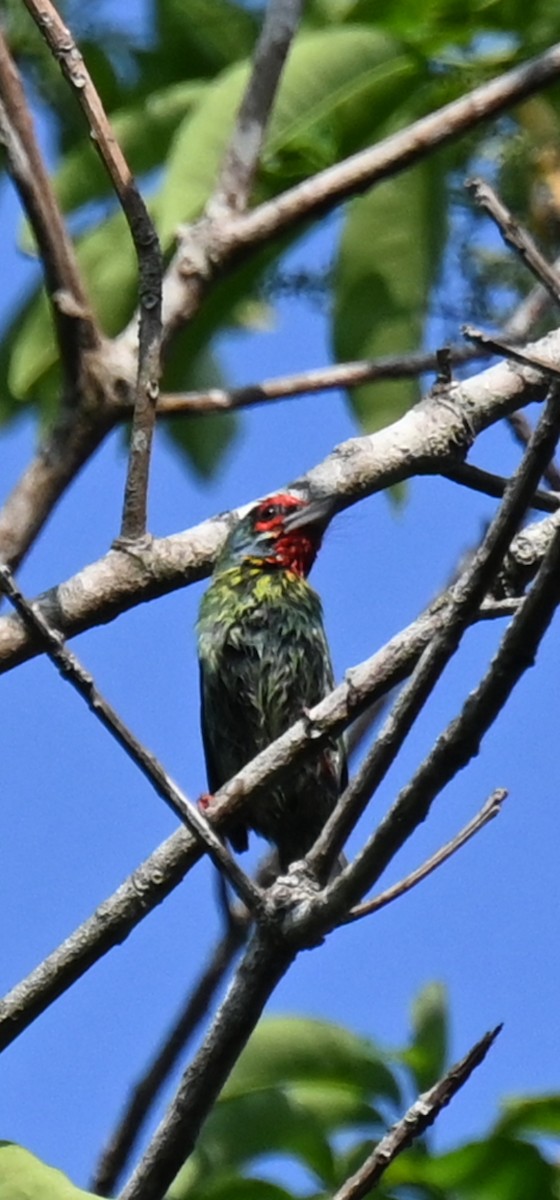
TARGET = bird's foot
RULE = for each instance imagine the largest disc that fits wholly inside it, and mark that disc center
(205, 802)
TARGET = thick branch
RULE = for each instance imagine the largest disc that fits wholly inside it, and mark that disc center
(429, 438)
(143, 1096)
(261, 969)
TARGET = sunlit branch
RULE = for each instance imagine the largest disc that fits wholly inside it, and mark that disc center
(430, 437)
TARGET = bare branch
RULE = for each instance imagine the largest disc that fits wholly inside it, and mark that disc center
(461, 740)
(264, 963)
(419, 1117)
(73, 671)
(319, 379)
(154, 879)
(148, 251)
(242, 156)
(490, 484)
(428, 438)
(467, 594)
(144, 1094)
(515, 236)
(205, 248)
(74, 322)
(497, 346)
(492, 808)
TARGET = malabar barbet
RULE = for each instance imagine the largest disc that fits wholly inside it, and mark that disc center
(264, 660)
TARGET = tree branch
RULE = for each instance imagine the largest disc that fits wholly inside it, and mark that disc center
(515, 236)
(117, 1153)
(264, 963)
(75, 326)
(461, 740)
(466, 596)
(148, 252)
(429, 438)
(80, 679)
(492, 808)
(241, 160)
(419, 1117)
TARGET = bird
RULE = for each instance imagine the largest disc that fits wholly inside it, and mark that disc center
(264, 660)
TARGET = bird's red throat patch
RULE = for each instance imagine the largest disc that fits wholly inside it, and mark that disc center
(295, 550)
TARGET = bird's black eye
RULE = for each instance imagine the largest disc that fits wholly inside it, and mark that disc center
(269, 512)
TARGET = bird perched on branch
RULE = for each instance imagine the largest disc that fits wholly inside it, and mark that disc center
(264, 660)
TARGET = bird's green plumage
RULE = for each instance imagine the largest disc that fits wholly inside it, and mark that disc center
(264, 658)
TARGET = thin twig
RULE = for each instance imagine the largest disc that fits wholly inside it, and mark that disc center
(496, 345)
(241, 160)
(467, 595)
(318, 379)
(490, 809)
(490, 484)
(419, 1117)
(117, 1152)
(148, 252)
(80, 679)
(515, 236)
(74, 322)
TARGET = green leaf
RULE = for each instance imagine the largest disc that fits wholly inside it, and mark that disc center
(427, 1054)
(338, 86)
(302, 1050)
(143, 131)
(497, 1169)
(243, 1128)
(228, 1186)
(25, 1177)
(390, 250)
(203, 37)
(526, 1115)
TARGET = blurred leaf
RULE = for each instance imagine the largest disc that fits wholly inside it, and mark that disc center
(25, 1177)
(527, 1115)
(390, 250)
(427, 1054)
(203, 37)
(497, 1169)
(224, 1185)
(244, 1128)
(298, 1049)
(335, 83)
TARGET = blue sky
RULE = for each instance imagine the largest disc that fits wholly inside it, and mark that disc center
(78, 816)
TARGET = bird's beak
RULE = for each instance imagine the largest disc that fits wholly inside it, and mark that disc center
(316, 514)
